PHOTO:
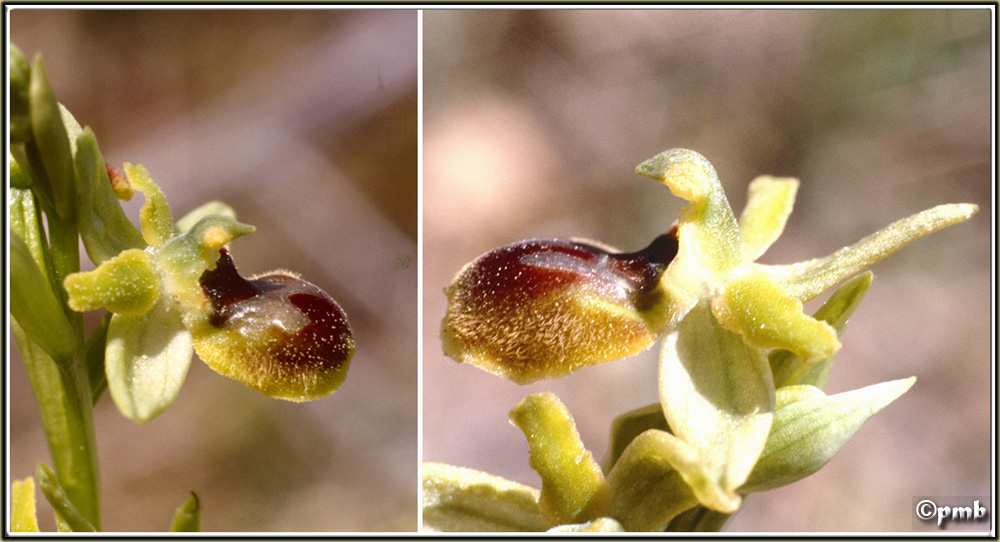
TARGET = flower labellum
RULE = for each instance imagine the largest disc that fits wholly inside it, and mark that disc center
(546, 307)
(276, 333)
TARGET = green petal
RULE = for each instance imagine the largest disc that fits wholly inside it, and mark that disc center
(756, 307)
(806, 280)
(103, 226)
(154, 217)
(23, 517)
(457, 499)
(573, 486)
(718, 397)
(146, 359)
(809, 431)
(125, 284)
(789, 368)
(769, 202)
(653, 481)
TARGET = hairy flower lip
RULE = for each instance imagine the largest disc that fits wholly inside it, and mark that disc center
(546, 307)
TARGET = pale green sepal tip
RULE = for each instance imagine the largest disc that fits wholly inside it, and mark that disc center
(458, 499)
(125, 284)
(187, 517)
(23, 514)
(187, 222)
(807, 433)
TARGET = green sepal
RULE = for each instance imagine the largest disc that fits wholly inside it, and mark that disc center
(809, 431)
(457, 499)
(104, 228)
(573, 487)
(35, 306)
(187, 517)
(806, 280)
(67, 515)
(23, 514)
(154, 217)
(146, 360)
(789, 368)
(718, 397)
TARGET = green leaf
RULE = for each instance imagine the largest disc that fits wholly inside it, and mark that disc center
(573, 486)
(146, 360)
(807, 433)
(806, 280)
(789, 368)
(187, 518)
(457, 499)
(718, 397)
(35, 306)
(23, 517)
(104, 228)
(66, 513)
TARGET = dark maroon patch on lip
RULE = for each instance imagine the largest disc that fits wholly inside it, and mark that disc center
(225, 287)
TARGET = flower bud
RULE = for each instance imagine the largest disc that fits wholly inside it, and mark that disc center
(546, 307)
(276, 333)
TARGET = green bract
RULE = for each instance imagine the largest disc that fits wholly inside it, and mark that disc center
(741, 365)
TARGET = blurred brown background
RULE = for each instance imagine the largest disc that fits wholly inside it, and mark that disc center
(306, 123)
(534, 122)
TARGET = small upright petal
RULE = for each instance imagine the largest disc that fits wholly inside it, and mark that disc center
(769, 202)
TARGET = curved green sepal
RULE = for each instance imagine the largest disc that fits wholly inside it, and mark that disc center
(154, 217)
(573, 486)
(125, 284)
(769, 202)
(187, 517)
(35, 306)
(808, 432)
(104, 228)
(67, 515)
(23, 515)
(789, 368)
(457, 499)
(718, 397)
(146, 360)
(755, 306)
(806, 280)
